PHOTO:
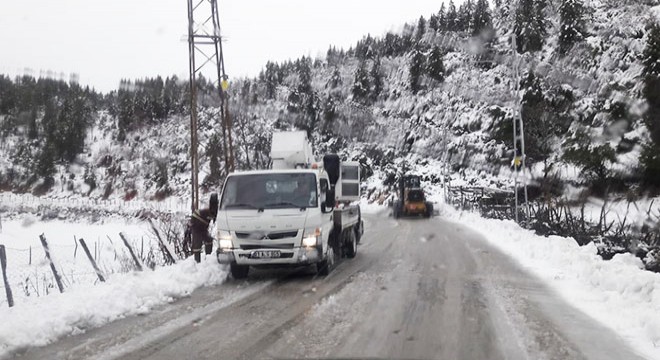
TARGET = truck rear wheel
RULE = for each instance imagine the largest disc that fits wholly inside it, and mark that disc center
(239, 271)
(351, 244)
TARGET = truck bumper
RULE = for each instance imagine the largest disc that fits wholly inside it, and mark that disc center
(295, 256)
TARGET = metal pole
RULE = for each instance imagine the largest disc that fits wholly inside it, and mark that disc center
(194, 162)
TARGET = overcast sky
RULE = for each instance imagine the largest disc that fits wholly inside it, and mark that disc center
(103, 41)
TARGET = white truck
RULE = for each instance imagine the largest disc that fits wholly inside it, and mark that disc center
(299, 213)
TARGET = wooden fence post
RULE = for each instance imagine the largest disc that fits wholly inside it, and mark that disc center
(166, 250)
(91, 259)
(3, 264)
(58, 279)
(130, 250)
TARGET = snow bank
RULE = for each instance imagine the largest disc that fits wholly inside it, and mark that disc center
(618, 293)
(122, 295)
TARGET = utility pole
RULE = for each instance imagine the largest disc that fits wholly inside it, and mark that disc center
(518, 137)
(204, 40)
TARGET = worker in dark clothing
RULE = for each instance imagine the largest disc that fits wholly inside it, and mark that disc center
(199, 228)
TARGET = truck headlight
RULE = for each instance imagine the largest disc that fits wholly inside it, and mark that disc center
(224, 240)
(311, 237)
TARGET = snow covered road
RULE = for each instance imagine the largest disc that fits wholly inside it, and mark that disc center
(418, 288)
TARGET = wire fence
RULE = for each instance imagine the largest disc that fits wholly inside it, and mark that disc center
(28, 270)
(616, 226)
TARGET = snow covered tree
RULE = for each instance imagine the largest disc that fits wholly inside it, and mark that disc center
(335, 79)
(464, 16)
(329, 115)
(376, 79)
(364, 48)
(593, 159)
(530, 25)
(271, 79)
(442, 17)
(481, 17)
(435, 67)
(452, 17)
(421, 29)
(571, 24)
(415, 70)
(433, 22)
(7, 95)
(32, 124)
(213, 152)
(304, 70)
(45, 164)
(360, 88)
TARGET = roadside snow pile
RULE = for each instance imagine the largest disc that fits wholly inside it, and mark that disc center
(618, 293)
(371, 208)
(43, 320)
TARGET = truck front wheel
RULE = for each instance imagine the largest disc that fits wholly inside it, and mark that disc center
(324, 266)
(239, 271)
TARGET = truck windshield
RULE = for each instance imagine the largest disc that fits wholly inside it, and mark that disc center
(270, 191)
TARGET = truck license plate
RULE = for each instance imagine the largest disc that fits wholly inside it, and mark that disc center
(265, 254)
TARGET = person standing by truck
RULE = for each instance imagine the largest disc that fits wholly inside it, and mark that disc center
(199, 228)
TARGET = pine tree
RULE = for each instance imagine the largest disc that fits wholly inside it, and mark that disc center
(452, 17)
(361, 84)
(304, 70)
(364, 48)
(213, 152)
(538, 127)
(594, 160)
(481, 18)
(45, 164)
(415, 70)
(433, 22)
(7, 95)
(530, 25)
(32, 124)
(271, 79)
(335, 79)
(376, 79)
(571, 24)
(329, 115)
(465, 13)
(442, 18)
(435, 66)
(421, 29)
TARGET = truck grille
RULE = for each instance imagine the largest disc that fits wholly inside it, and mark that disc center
(269, 246)
(270, 236)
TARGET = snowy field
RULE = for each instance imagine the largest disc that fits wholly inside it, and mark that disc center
(618, 293)
(86, 302)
